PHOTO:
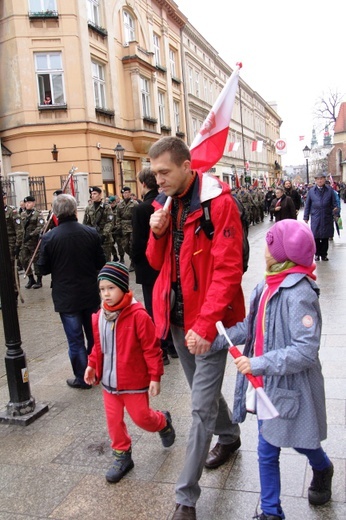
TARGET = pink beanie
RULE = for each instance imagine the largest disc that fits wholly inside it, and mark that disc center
(291, 240)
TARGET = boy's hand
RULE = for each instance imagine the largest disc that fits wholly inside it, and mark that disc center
(154, 388)
(89, 376)
(191, 342)
(243, 365)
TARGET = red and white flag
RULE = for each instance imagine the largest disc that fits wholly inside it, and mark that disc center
(209, 144)
(234, 147)
(301, 138)
(257, 146)
(247, 166)
(237, 181)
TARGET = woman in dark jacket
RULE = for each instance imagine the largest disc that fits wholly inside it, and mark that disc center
(282, 206)
(320, 204)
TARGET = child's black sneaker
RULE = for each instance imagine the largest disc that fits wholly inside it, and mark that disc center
(320, 490)
(167, 434)
(263, 516)
(122, 464)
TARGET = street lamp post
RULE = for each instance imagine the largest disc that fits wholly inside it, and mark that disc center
(306, 152)
(119, 152)
(22, 408)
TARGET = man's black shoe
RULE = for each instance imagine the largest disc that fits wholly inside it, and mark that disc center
(324, 258)
(74, 383)
(221, 454)
(184, 513)
(167, 434)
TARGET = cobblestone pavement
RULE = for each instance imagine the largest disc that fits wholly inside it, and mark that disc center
(54, 468)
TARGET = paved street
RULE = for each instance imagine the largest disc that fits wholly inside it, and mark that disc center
(54, 468)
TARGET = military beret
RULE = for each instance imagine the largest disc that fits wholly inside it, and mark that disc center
(29, 198)
(111, 199)
(57, 192)
(125, 188)
(95, 188)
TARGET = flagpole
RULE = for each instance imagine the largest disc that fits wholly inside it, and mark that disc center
(242, 131)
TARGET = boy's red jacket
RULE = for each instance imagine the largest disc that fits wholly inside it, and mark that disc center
(211, 270)
(139, 357)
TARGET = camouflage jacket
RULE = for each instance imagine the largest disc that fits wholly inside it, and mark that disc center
(32, 225)
(13, 225)
(124, 216)
(100, 217)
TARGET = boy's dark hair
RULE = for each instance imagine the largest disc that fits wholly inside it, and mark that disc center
(147, 177)
(177, 148)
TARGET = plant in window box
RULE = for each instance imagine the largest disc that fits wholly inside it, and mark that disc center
(165, 128)
(97, 28)
(150, 120)
(180, 134)
(43, 14)
(161, 68)
(176, 80)
(104, 111)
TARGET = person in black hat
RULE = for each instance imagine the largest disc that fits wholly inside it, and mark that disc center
(320, 204)
(99, 215)
(124, 222)
(32, 223)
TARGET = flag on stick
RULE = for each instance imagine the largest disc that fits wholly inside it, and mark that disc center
(257, 146)
(237, 181)
(209, 144)
(233, 147)
(301, 138)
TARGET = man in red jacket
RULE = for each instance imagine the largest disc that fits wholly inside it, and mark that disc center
(199, 283)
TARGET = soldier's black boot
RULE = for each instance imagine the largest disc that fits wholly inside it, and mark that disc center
(31, 282)
(38, 284)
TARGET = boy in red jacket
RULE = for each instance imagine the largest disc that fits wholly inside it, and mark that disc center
(126, 359)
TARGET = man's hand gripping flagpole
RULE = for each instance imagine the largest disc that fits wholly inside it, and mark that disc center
(265, 408)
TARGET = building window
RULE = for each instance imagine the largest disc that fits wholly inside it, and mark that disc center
(94, 11)
(161, 103)
(197, 83)
(50, 78)
(145, 93)
(205, 87)
(172, 63)
(176, 112)
(157, 52)
(42, 6)
(194, 127)
(129, 28)
(98, 74)
(191, 80)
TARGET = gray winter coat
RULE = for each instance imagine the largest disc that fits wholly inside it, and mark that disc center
(290, 365)
(320, 204)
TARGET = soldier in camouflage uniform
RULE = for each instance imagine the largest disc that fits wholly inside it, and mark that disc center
(248, 203)
(32, 226)
(99, 215)
(124, 222)
(14, 233)
(258, 198)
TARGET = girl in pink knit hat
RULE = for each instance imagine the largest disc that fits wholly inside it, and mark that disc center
(282, 335)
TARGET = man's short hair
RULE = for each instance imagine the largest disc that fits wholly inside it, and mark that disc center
(177, 148)
(147, 177)
(64, 206)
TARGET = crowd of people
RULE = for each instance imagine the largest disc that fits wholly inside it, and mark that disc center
(190, 281)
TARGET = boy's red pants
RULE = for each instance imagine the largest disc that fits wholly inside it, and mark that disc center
(137, 406)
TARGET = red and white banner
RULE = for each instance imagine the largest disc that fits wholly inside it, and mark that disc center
(234, 147)
(257, 146)
(281, 146)
(247, 166)
(301, 138)
(209, 144)
(237, 181)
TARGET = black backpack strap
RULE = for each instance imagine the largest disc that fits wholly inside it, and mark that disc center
(205, 222)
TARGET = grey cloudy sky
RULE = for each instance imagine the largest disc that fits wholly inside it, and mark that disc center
(292, 53)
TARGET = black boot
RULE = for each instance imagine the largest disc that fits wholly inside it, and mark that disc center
(38, 284)
(31, 282)
(320, 490)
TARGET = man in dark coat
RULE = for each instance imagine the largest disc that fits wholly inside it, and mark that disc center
(73, 255)
(320, 204)
(291, 192)
(282, 206)
(145, 274)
